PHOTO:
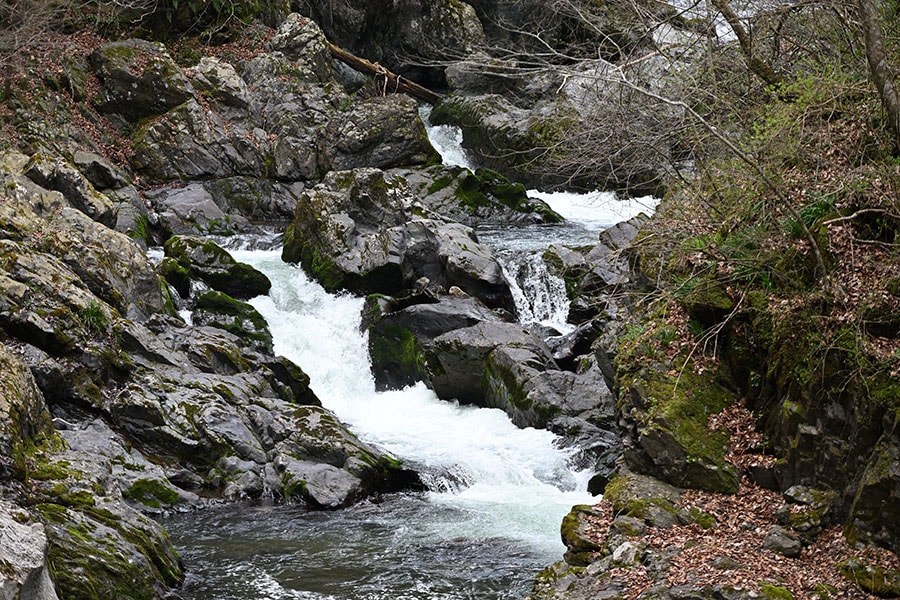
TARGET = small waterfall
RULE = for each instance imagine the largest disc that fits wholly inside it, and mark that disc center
(539, 295)
(447, 140)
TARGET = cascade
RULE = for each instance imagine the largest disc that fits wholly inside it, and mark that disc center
(540, 296)
(497, 494)
(489, 522)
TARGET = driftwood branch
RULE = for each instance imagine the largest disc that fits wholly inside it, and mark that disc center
(389, 82)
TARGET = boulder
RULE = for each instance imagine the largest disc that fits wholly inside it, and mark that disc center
(218, 309)
(139, 79)
(381, 132)
(574, 532)
(457, 360)
(61, 176)
(25, 574)
(99, 172)
(356, 231)
(782, 541)
(300, 39)
(207, 261)
(482, 197)
(24, 419)
(400, 335)
(192, 141)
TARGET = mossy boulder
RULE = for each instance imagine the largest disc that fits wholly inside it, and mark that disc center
(140, 79)
(107, 550)
(877, 580)
(220, 310)
(399, 335)
(209, 262)
(24, 419)
(474, 198)
(574, 531)
(358, 231)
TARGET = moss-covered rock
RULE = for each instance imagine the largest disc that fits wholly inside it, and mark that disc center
(139, 79)
(24, 419)
(108, 551)
(580, 548)
(667, 407)
(206, 260)
(239, 318)
(872, 579)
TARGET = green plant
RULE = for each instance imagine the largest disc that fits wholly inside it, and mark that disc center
(94, 318)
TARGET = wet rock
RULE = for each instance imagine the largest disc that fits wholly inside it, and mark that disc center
(482, 197)
(457, 359)
(399, 337)
(220, 310)
(209, 262)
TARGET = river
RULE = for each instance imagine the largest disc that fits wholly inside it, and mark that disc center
(497, 494)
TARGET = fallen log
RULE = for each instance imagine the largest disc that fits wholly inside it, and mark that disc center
(388, 81)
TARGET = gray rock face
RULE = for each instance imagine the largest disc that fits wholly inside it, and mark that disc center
(60, 176)
(209, 262)
(457, 359)
(139, 79)
(399, 336)
(387, 31)
(301, 40)
(381, 132)
(23, 554)
(23, 414)
(357, 231)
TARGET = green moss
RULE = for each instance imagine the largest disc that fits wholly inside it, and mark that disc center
(439, 184)
(395, 348)
(91, 556)
(502, 383)
(774, 592)
(702, 518)
(151, 492)
(176, 274)
(624, 501)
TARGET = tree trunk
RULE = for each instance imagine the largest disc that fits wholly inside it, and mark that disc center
(758, 66)
(878, 67)
(390, 82)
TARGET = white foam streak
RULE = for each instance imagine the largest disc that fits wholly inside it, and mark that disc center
(596, 210)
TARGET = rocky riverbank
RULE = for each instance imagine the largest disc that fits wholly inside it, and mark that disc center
(115, 406)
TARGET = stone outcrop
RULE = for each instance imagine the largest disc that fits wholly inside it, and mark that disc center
(389, 32)
(208, 262)
(25, 575)
(112, 408)
(358, 231)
